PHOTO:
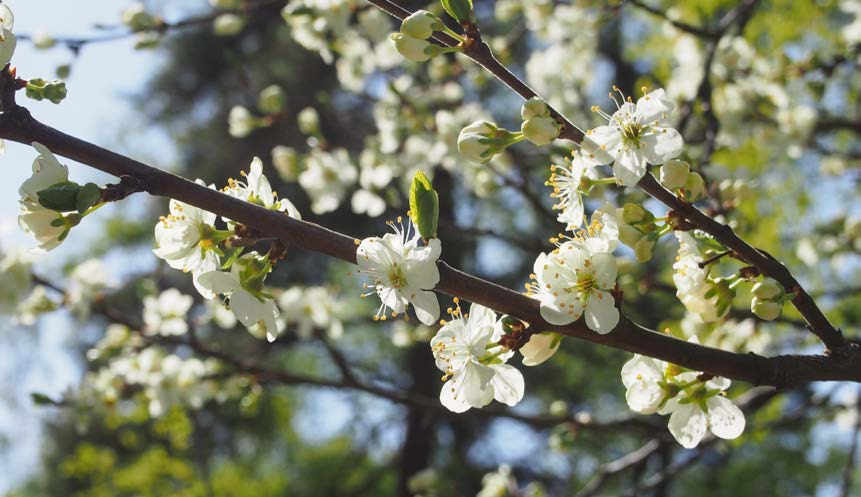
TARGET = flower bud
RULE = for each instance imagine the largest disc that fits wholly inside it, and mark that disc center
(286, 162)
(534, 107)
(674, 174)
(421, 25)
(695, 187)
(241, 122)
(309, 121)
(635, 213)
(539, 348)
(271, 100)
(629, 235)
(768, 310)
(643, 249)
(411, 48)
(474, 141)
(767, 289)
(43, 41)
(540, 130)
(558, 408)
(137, 18)
(228, 24)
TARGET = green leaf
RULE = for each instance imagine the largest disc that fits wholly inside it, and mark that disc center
(88, 196)
(424, 206)
(61, 197)
(460, 10)
(41, 399)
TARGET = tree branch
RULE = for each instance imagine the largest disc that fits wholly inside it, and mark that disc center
(18, 125)
(819, 325)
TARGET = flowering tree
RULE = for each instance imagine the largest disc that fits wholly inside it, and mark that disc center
(699, 142)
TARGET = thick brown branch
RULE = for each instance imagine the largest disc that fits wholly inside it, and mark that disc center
(782, 371)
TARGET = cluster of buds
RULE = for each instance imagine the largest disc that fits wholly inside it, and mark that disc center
(412, 41)
(538, 126)
(639, 231)
(768, 299)
(676, 175)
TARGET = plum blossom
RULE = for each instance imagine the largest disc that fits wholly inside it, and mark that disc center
(475, 370)
(49, 227)
(692, 284)
(327, 177)
(702, 408)
(243, 287)
(570, 181)
(636, 135)
(402, 271)
(540, 347)
(257, 190)
(166, 314)
(7, 38)
(572, 281)
(642, 377)
(187, 240)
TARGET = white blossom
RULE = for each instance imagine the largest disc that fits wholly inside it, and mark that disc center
(692, 281)
(572, 281)
(475, 372)
(50, 228)
(8, 42)
(307, 309)
(249, 304)
(187, 240)
(326, 178)
(703, 407)
(15, 277)
(241, 122)
(166, 314)
(257, 190)
(402, 272)
(636, 135)
(570, 181)
(642, 377)
(86, 282)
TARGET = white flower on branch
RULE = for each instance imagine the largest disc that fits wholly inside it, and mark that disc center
(692, 283)
(49, 227)
(474, 365)
(166, 314)
(642, 377)
(700, 408)
(257, 190)
(636, 135)
(187, 240)
(540, 347)
(402, 271)
(327, 177)
(243, 287)
(572, 281)
(570, 182)
(7, 38)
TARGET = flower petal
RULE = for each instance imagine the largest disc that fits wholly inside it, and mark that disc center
(508, 385)
(725, 419)
(688, 425)
(426, 306)
(601, 313)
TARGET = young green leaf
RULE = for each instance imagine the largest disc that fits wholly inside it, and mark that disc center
(61, 197)
(460, 10)
(424, 206)
(88, 196)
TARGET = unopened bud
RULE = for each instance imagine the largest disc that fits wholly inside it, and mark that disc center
(695, 187)
(768, 310)
(674, 174)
